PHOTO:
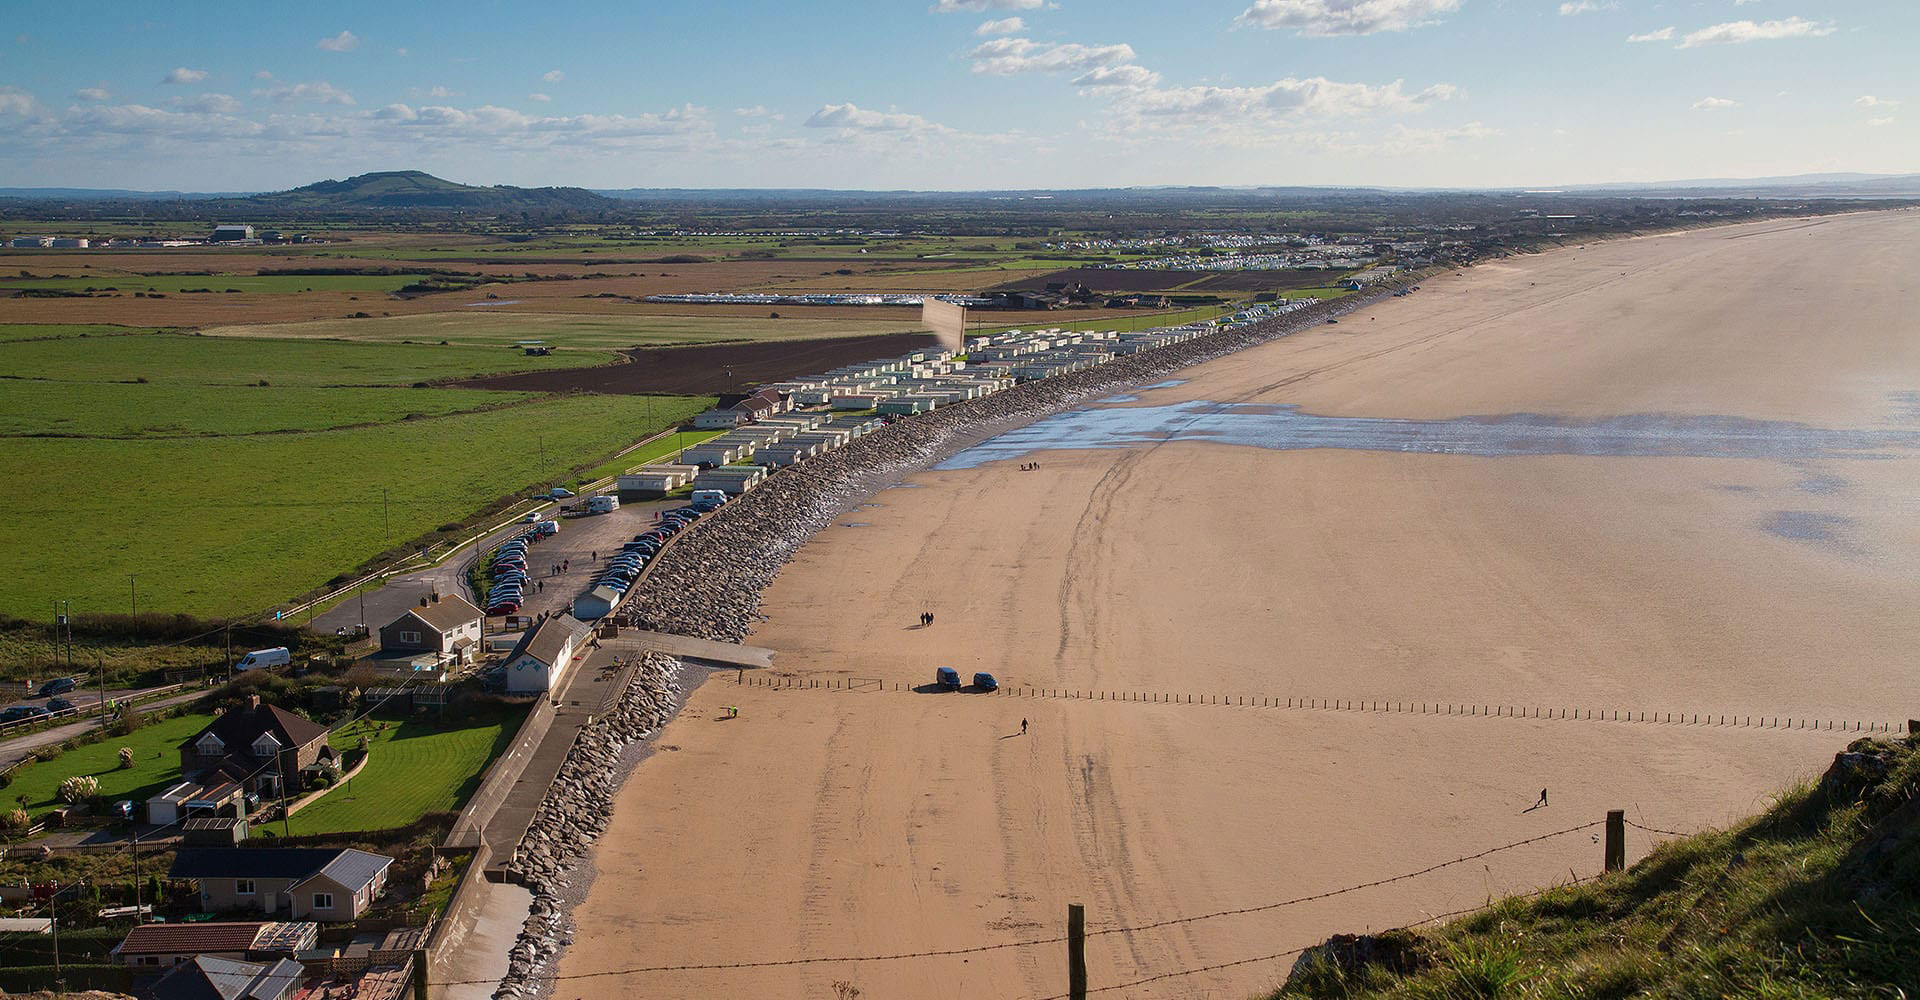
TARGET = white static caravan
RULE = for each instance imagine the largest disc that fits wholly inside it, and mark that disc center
(713, 454)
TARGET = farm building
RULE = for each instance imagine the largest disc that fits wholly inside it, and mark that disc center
(230, 234)
(30, 242)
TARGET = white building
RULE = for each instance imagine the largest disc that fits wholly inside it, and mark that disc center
(541, 661)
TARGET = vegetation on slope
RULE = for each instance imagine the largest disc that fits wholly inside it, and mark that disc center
(1817, 897)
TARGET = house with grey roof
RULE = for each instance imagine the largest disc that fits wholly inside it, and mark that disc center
(540, 661)
(449, 626)
(308, 883)
(205, 977)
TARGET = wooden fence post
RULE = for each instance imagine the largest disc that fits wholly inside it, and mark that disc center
(1076, 951)
(1616, 853)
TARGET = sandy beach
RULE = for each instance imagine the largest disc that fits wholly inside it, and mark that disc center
(1670, 474)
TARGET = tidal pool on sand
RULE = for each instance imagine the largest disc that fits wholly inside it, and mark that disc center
(1287, 428)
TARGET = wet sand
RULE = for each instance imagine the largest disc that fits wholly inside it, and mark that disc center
(1763, 565)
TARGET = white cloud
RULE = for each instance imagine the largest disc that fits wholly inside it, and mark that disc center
(181, 74)
(97, 93)
(553, 76)
(345, 41)
(137, 120)
(1001, 26)
(980, 6)
(207, 104)
(442, 91)
(14, 101)
(317, 92)
(541, 98)
(1575, 7)
(849, 118)
(1739, 32)
(1870, 101)
(759, 111)
(1657, 35)
(1116, 78)
(262, 74)
(1715, 103)
(1315, 97)
(1005, 56)
(1880, 122)
(396, 113)
(1343, 17)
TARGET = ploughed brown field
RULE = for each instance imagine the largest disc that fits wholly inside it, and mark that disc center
(701, 371)
(1227, 283)
(1670, 474)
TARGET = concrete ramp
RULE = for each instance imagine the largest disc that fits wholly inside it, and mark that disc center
(687, 647)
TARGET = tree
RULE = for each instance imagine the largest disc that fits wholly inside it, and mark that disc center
(79, 788)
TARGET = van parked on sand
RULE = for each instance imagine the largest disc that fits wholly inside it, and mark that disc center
(262, 659)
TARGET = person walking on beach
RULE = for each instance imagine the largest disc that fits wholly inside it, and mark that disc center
(1023, 727)
(1543, 799)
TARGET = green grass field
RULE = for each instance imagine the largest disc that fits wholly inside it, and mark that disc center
(165, 357)
(29, 407)
(417, 767)
(156, 764)
(498, 331)
(45, 331)
(228, 525)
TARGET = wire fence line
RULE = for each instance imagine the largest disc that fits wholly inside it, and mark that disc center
(1053, 940)
(1375, 705)
(1301, 949)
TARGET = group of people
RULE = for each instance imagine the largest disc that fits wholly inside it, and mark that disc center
(1029, 466)
(926, 618)
(560, 567)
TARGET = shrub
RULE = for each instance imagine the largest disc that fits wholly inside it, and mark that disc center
(16, 820)
(79, 788)
(126, 720)
(126, 758)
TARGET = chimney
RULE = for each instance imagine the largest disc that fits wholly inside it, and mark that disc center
(436, 597)
(423, 602)
(253, 702)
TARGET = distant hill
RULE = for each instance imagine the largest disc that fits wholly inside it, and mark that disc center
(414, 189)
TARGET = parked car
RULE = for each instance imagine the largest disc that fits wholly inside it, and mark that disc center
(946, 679)
(531, 517)
(560, 493)
(59, 685)
(984, 682)
(58, 705)
(15, 713)
(497, 608)
(260, 659)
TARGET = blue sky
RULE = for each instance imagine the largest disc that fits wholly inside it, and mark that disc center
(945, 94)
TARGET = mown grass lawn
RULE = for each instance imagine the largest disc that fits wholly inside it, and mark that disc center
(171, 357)
(417, 767)
(30, 407)
(156, 764)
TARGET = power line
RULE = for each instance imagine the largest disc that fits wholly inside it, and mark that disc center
(1295, 951)
(978, 949)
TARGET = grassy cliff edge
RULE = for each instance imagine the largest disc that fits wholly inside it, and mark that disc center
(1817, 897)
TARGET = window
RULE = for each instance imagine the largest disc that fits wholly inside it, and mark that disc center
(323, 901)
(211, 746)
(149, 960)
(409, 636)
(243, 887)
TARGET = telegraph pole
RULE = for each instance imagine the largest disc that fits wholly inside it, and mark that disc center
(386, 510)
(134, 593)
(1076, 951)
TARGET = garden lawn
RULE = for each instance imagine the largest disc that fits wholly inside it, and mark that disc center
(156, 764)
(417, 767)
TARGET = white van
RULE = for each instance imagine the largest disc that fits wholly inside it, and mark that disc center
(709, 496)
(261, 659)
(605, 503)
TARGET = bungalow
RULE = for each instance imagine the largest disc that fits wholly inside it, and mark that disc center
(158, 946)
(264, 749)
(205, 977)
(313, 883)
(541, 659)
(448, 626)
